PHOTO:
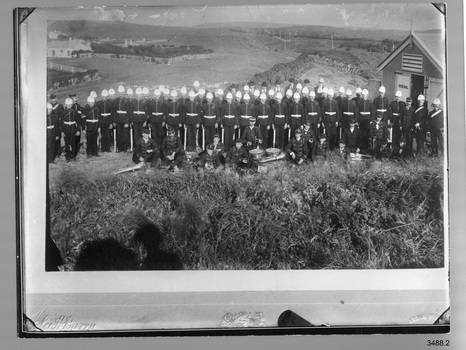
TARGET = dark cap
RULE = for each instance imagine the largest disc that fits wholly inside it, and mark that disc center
(291, 80)
(52, 96)
(217, 135)
(409, 99)
(239, 140)
(298, 131)
(145, 130)
(170, 129)
(253, 120)
(210, 147)
(322, 136)
(71, 95)
(264, 84)
(306, 81)
(353, 121)
(190, 149)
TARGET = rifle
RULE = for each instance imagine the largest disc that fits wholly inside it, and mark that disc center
(131, 136)
(114, 140)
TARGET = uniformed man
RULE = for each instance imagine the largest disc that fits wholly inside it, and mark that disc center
(349, 110)
(80, 120)
(121, 109)
(256, 99)
(358, 95)
(192, 119)
(331, 114)
(379, 136)
(436, 127)
(280, 120)
(209, 159)
(289, 97)
(264, 121)
(237, 156)
(172, 150)
(111, 95)
(219, 148)
(341, 95)
(173, 113)
(245, 113)
(139, 115)
(210, 119)
(396, 110)
(296, 114)
(229, 121)
(53, 133)
(196, 86)
(352, 138)
(157, 111)
(380, 104)
(304, 95)
(70, 130)
(297, 148)
(313, 116)
(105, 117)
(92, 127)
(365, 109)
(291, 86)
(146, 150)
(310, 140)
(57, 114)
(407, 132)
(420, 119)
(252, 135)
(320, 86)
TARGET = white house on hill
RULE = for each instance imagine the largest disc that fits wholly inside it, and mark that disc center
(64, 48)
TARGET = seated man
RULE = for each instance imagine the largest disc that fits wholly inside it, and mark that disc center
(309, 137)
(237, 156)
(192, 159)
(297, 148)
(352, 138)
(219, 148)
(378, 137)
(252, 135)
(209, 160)
(322, 146)
(146, 150)
(172, 150)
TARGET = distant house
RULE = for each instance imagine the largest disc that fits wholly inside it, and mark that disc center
(416, 66)
(65, 48)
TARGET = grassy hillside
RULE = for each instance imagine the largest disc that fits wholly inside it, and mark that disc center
(375, 215)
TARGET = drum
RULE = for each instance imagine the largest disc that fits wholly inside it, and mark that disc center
(256, 153)
(272, 152)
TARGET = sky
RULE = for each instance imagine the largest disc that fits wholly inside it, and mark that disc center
(368, 15)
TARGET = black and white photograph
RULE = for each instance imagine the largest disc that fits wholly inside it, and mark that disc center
(268, 168)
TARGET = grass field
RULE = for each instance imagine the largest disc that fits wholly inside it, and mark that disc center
(326, 215)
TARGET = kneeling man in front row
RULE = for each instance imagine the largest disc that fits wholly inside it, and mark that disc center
(297, 148)
(146, 150)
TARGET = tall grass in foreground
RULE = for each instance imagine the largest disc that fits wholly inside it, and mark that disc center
(324, 216)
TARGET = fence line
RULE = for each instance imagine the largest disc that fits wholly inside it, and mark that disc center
(65, 68)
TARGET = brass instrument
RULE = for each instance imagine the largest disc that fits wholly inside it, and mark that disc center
(132, 168)
(280, 156)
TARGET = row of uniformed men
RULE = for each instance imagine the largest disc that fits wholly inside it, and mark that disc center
(277, 116)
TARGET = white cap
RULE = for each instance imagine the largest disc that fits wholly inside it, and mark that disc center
(183, 90)
(209, 95)
(382, 89)
(173, 93)
(138, 91)
(296, 95)
(279, 95)
(145, 91)
(299, 86)
(263, 96)
(305, 90)
(358, 90)
(196, 84)
(342, 89)
(421, 97)
(104, 94)
(289, 92)
(157, 92)
(162, 88)
(436, 102)
(201, 92)
(319, 90)
(312, 93)
(321, 80)
(246, 88)
(191, 93)
(68, 101)
(246, 97)
(349, 92)
(271, 92)
(256, 93)
(229, 95)
(121, 89)
(365, 92)
(166, 92)
(49, 105)
(325, 90)
(398, 93)
(111, 92)
(330, 92)
(220, 92)
(91, 99)
(238, 94)
(129, 91)
(93, 94)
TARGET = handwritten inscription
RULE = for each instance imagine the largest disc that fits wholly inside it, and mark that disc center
(243, 319)
(56, 322)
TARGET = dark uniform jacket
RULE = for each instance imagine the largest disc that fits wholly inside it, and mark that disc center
(352, 139)
(105, 111)
(348, 111)
(210, 114)
(139, 110)
(143, 146)
(420, 116)
(365, 109)
(69, 120)
(53, 126)
(397, 108)
(280, 113)
(262, 114)
(192, 113)
(436, 119)
(156, 109)
(380, 104)
(229, 114)
(170, 145)
(408, 118)
(91, 119)
(330, 111)
(298, 147)
(252, 134)
(173, 112)
(379, 131)
(312, 112)
(245, 109)
(296, 114)
(122, 110)
(235, 156)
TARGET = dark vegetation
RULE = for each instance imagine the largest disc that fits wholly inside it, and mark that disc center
(163, 51)
(59, 78)
(381, 215)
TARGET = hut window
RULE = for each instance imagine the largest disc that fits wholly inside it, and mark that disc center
(412, 63)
